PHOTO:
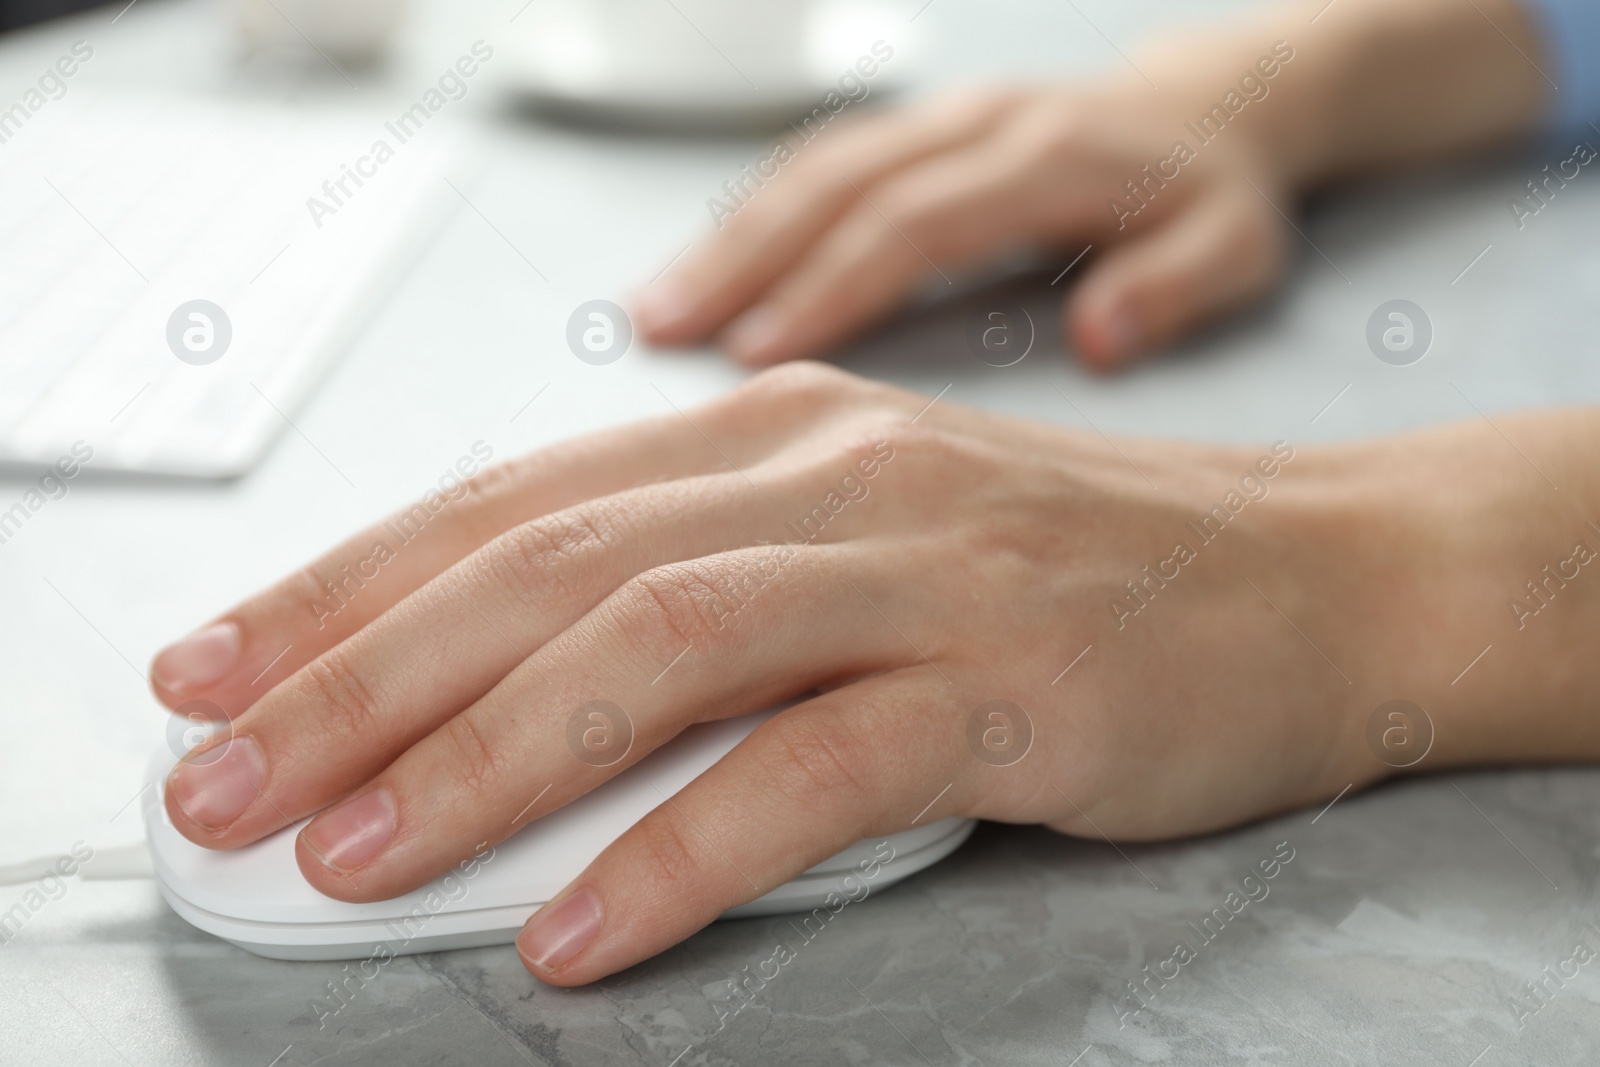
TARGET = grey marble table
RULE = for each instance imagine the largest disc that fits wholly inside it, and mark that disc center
(1405, 928)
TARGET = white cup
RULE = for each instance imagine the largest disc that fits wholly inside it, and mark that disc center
(354, 30)
(759, 38)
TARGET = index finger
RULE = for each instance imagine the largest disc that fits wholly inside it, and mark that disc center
(238, 657)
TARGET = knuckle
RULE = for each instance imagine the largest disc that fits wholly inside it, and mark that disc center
(349, 707)
(674, 860)
(309, 586)
(494, 491)
(549, 551)
(1261, 239)
(911, 214)
(1061, 131)
(499, 479)
(677, 605)
(473, 762)
(801, 383)
(819, 757)
(918, 442)
(329, 585)
(963, 106)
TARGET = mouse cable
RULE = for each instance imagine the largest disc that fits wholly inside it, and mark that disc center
(125, 862)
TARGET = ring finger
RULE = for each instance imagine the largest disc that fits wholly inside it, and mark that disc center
(676, 645)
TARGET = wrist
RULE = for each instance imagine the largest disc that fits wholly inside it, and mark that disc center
(1477, 593)
(1240, 90)
(1370, 85)
(1382, 85)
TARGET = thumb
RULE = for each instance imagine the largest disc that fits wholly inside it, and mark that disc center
(1220, 252)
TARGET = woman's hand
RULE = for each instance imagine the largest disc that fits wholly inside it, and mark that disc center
(1264, 109)
(870, 211)
(1230, 616)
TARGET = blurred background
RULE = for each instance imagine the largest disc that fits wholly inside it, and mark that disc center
(431, 312)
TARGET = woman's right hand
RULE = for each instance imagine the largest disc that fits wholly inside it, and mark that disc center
(862, 216)
(923, 576)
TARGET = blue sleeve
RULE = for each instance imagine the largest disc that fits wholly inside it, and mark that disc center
(1570, 30)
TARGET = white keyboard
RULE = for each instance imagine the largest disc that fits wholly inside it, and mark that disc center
(116, 213)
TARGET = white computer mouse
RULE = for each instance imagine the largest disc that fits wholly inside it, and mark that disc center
(257, 898)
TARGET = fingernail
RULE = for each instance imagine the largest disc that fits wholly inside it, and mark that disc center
(215, 785)
(754, 336)
(349, 834)
(663, 305)
(562, 930)
(199, 660)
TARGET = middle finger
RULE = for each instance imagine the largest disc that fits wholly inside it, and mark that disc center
(349, 713)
